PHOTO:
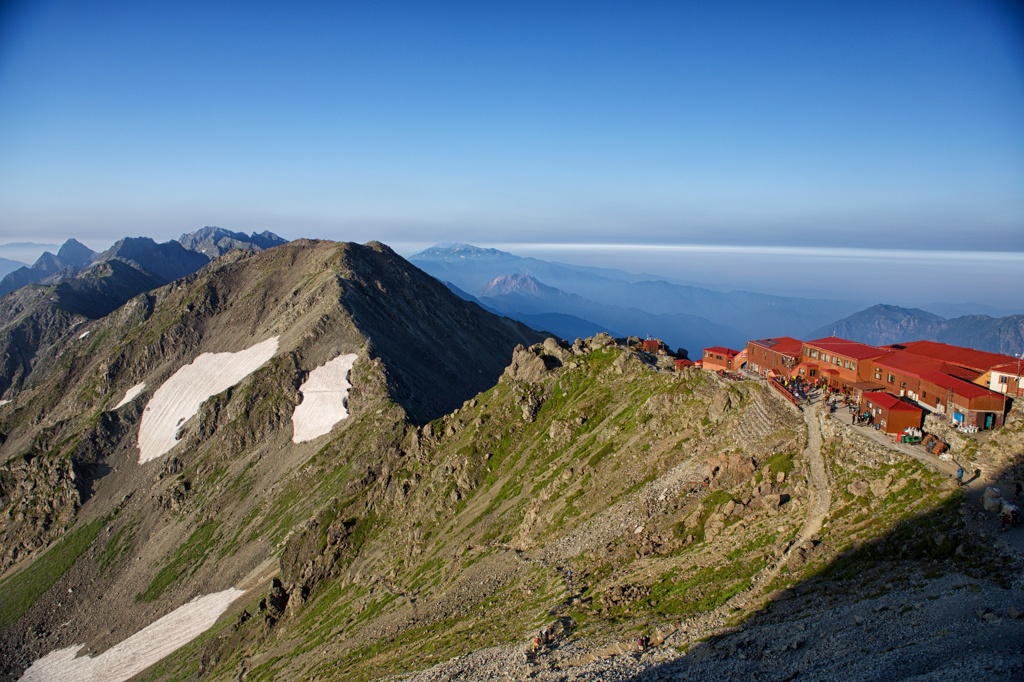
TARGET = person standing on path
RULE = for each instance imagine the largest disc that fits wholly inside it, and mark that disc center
(960, 476)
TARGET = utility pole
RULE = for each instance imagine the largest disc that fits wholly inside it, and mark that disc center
(1016, 379)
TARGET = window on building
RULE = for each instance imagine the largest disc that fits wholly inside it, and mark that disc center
(890, 378)
(1004, 379)
(877, 375)
(903, 384)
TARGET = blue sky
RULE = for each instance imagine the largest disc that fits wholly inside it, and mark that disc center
(781, 124)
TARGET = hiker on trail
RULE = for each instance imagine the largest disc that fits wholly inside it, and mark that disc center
(536, 643)
(960, 476)
(643, 643)
(1004, 520)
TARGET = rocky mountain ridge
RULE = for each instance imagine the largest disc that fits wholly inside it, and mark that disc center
(32, 317)
(485, 485)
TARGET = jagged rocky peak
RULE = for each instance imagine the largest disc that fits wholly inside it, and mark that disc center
(47, 263)
(216, 241)
(168, 261)
(75, 253)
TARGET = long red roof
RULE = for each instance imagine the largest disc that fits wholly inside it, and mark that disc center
(958, 386)
(851, 349)
(978, 360)
(891, 402)
(728, 352)
(906, 362)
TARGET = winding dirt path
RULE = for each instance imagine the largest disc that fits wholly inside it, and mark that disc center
(821, 492)
(820, 500)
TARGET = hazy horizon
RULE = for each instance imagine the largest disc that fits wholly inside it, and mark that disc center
(982, 280)
(658, 129)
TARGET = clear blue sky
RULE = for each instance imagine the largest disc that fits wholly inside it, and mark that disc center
(677, 122)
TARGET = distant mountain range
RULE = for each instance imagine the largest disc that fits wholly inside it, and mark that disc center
(573, 301)
(574, 298)
(42, 303)
(150, 265)
(884, 324)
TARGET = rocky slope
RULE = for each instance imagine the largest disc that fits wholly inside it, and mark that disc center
(485, 486)
(78, 285)
(137, 539)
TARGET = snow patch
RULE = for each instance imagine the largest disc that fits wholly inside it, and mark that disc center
(180, 396)
(84, 334)
(138, 652)
(131, 394)
(324, 399)
(4, 402)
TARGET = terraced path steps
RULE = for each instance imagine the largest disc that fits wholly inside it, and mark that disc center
(710, 623)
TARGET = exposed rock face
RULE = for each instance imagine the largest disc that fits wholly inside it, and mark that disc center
(318, 552)
(41, 499)
(529, 365)
(727, 470)
(215, 241)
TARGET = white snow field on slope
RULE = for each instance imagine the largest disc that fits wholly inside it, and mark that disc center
(4, 402)
(130, 395)
(181, 395)
(138, 652)
(324, 399)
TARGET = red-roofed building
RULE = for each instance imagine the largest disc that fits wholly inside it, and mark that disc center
(892, 414)
(841, 362)
(965, 403)
(900, 371)
(1006, 379)
(653, 346)
(777, 356)
(683, 363)
(720, 358)
(978, 360)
